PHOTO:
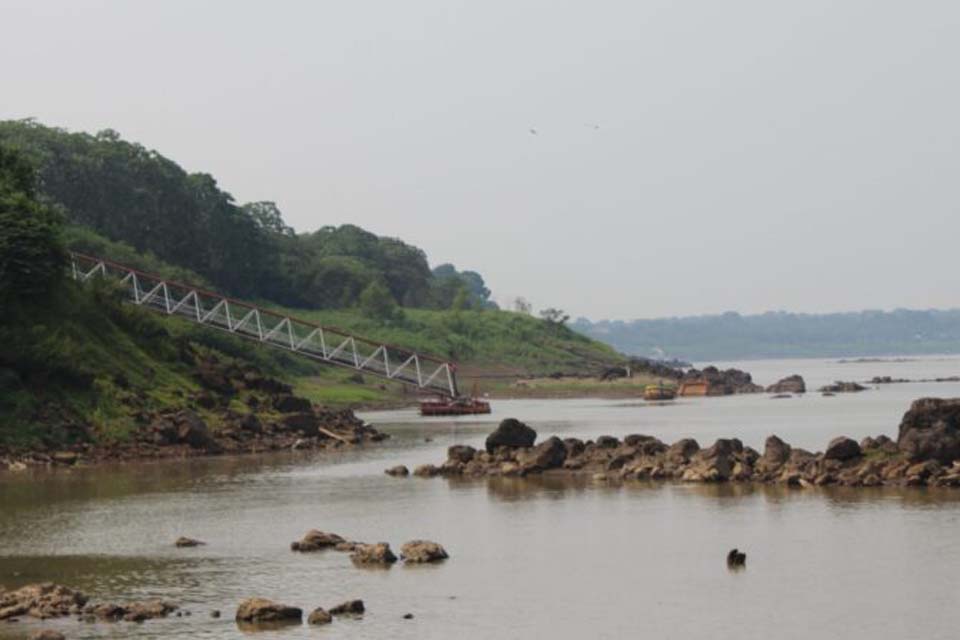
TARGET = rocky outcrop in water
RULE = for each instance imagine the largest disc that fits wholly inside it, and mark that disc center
(420, 551)
(315, 540)
(511, 433)
(723, 383)
(842, 387)
(43, 600)
(257, 610)
(183, 541)
(349, 608)
(373, 554)
(927, 453)
(790, 384)
(131, 612)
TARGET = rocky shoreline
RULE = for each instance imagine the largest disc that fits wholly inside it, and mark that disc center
(926, 453)
(236, 411)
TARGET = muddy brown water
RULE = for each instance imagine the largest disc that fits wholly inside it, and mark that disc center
(529, 557)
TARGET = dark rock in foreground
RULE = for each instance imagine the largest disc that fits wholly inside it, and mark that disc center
(736, 558)
(930, 430)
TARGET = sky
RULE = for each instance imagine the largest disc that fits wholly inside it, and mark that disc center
(613, 159)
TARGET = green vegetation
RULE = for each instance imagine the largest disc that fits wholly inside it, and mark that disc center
(732, 336)
(138, 201)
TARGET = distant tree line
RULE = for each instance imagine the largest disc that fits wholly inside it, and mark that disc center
(135, 196)
(731, 336)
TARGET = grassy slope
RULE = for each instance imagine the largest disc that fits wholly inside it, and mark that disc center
(492, 347)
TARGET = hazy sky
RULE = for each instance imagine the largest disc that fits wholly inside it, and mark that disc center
(690, 156)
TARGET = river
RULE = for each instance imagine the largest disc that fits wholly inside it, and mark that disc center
(529, 557)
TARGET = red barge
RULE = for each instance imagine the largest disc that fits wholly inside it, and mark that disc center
(453, 407)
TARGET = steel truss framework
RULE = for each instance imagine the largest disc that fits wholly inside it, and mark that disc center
(325, 344)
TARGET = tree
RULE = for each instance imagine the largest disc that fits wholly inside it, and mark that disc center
(554, 316)
(32, 256)
(522, 305)
(268, 217)
(375, 301)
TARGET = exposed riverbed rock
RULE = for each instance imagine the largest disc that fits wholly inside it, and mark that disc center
(47, 634)
(132, 611)
(929, 445)
(183, 541)
(843, 387)
(255, 610)
(399, 471)
(373, 554)
(723, 383)
(511, 433)
(319, 616)
(930, 429)
(349, 608)
(790, 384)
(315, 540)
(418, 551)
(42, 600)
(842, 448)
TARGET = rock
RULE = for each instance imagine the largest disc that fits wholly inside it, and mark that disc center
(736, 558)
(607, 442)
(399, 471)
(511, 433)
(549, 454)
(350, 607)
(426, 471)
(131, 612)
(775, 451)
(842, 449)
(41, 600)
(263, 610)
(192, 430)
(574, 446)
(305, 423)
(183, 541)
(781, 396)
(292, 404)
(790, 384)
(315, 540)
(379, 553)
(408, 616)
(843, 387)
(65, 457)
(683, 450)
(461, 453)
(319, 616)
(930, 430)
(215, 613)
(47, 634)
(417, 551)
(250, 423)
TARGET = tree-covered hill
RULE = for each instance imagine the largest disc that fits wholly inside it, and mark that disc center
(135, 196)
(731, 336)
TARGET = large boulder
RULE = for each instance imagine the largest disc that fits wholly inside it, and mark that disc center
(417, 551)
(842, 449)
(315, 540)
(379, 553)
(549, 454)
(682, 450)
(263, 610)
(930, 430)
(511, 433)
(775, 451)
(790, 384)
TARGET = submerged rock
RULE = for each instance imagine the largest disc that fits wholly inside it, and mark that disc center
(315, 540)
(422, 551)
(843, 387)
(263, 610)
(131, 612)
